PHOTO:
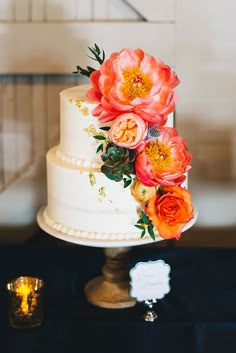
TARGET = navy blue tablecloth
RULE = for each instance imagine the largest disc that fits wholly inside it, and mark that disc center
(198, 315)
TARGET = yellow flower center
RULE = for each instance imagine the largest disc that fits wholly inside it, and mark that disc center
(158, 154)
(137, 84)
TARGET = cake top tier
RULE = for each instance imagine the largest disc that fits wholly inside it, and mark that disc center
(78, 126)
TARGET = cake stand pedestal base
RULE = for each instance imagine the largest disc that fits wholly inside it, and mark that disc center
(111, 290)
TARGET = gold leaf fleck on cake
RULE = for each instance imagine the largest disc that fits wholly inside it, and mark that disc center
(84, 111)
(78, 103)
(117, 210)
(92, 179)
(102, 191)
(70, 100)
(91, 131)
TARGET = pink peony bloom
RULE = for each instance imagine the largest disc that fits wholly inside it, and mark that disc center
(128, 130)
(133, 81)
(164, 160)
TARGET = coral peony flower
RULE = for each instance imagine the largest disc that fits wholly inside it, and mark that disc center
(128, 130)
(170, 211)
(140, 192)
(164, 160)
(133, 81)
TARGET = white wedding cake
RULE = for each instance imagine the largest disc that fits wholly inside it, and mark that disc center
(82, 201)
(119, 171)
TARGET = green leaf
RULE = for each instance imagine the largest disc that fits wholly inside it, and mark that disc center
(99, 137)
(127, 182)
(151, 232)
(111, 176)
(105, 128)
(139, 227)
(90, 69)
(100, 148)
(143, 233)
(82, 71)
(145, 218)
(90, 57)
(97, 48)
(96, 52)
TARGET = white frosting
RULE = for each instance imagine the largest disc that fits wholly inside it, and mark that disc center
(78, 126)
(87, 200)
(82, 201)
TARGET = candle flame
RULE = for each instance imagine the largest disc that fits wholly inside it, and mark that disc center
(24, 291)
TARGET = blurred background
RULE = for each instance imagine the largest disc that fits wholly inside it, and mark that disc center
(42, 41)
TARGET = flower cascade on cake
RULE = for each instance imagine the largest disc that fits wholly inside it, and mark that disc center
(135, 93)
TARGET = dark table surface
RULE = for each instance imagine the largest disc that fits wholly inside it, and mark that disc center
(197, 315)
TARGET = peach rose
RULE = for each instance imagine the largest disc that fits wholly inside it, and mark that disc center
(170, 211)
(128, 130)
(132, 80)
(163, 160)
(142, 193)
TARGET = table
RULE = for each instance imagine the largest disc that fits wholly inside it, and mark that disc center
(198, 315)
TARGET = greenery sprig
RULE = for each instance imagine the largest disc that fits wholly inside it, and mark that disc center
(97, 55)
(145, 225)
(101, 138)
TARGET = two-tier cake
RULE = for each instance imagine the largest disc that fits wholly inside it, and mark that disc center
(119, 171)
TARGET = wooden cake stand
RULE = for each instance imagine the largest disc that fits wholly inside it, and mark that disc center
(111, 289)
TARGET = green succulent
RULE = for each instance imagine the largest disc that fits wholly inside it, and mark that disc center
(118, 162)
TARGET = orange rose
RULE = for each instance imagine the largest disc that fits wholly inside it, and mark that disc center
(128, 130)
(170, 211)
(142, 193)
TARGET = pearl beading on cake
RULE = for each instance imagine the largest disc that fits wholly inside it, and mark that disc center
(85, 234)
(77, 163)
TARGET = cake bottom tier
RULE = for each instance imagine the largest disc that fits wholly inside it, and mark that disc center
(85, 203)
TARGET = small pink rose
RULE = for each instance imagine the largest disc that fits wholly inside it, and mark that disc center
(128, 130)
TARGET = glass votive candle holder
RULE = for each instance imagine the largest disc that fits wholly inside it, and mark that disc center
(25, 302)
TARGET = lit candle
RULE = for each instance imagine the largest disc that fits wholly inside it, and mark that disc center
(28, 298)
(25, 309)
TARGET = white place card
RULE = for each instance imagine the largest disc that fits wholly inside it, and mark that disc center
(149, 280)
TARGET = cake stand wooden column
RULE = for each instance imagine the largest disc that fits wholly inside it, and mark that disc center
(111, 289)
